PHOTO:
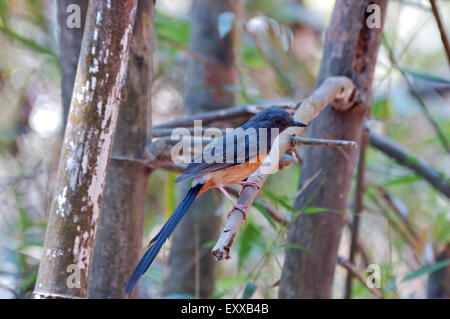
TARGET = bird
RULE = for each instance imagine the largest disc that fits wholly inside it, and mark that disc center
(235, 159)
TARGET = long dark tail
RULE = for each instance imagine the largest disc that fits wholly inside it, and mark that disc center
(165, 232)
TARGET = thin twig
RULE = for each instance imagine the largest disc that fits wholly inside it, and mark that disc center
(393, 225)
(297, 140)
(437, 128)
(406, 158)
(389, 200)
(351, 269)
(441, 27)
(167, 132)
(358, 208)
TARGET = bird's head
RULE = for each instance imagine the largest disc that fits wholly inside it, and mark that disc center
(273, 118)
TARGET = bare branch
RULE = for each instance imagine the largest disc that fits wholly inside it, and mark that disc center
(337, 90)
(355, 273)
(406, 158)
(441, 27)
(389, 200)
(296, 140)
(270, 210)
(436, 126)
(163, 132)
(358, 208)
(225, 114)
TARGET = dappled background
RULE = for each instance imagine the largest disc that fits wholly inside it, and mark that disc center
(405, 221)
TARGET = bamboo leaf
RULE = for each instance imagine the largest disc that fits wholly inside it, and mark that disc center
(315, 210)
(250, 238)
(381, 109)
(29, 43)
(427, 270)
(280, 200)
(264, 212)
(171, 29)
(4, 8)
(249, 290)
(405, 179)
(426, 77)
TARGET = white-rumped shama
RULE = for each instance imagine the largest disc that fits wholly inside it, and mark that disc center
(232, 169)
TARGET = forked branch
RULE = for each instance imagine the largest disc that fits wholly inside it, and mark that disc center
(341, 93)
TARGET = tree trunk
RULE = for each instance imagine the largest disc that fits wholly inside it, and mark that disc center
(206, 91)
(75, 209)
(351, 49)
(119, 237)
(69, 47)
(69, 51)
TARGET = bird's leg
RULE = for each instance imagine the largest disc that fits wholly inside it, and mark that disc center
(242, 208)
(254, 184)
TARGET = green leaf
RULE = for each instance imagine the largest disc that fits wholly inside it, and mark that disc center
(441, 231)
(294, 246)
(282, 200)
(29, 43)
(225, 23)
(250, 238)
(249, 290)
(4, 8)
(264, 212)
(405, 179)
(228, 282)
(381, 109)
(252, 57)
(427, 270)
(30, 281)
(208, 244)
(315, 210)
(219, 295)
(171, 29)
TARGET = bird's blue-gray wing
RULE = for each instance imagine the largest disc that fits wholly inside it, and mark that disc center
(232, 149)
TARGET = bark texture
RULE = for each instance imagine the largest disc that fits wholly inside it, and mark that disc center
(350, 49)
(208, 90)
(75, 209)
(118, 244)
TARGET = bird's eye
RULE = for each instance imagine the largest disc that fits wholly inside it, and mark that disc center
(277, 121)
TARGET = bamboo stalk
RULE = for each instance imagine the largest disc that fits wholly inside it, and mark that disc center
(75, 210)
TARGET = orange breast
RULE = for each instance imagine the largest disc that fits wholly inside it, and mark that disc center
(231, 175)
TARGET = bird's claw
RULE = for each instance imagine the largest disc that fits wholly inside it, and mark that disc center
(256, 185)
(242, 208)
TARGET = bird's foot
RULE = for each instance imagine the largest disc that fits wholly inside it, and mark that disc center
(256, 185)
(242, 208)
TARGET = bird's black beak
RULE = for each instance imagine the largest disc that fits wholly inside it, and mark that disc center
(299, 124)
